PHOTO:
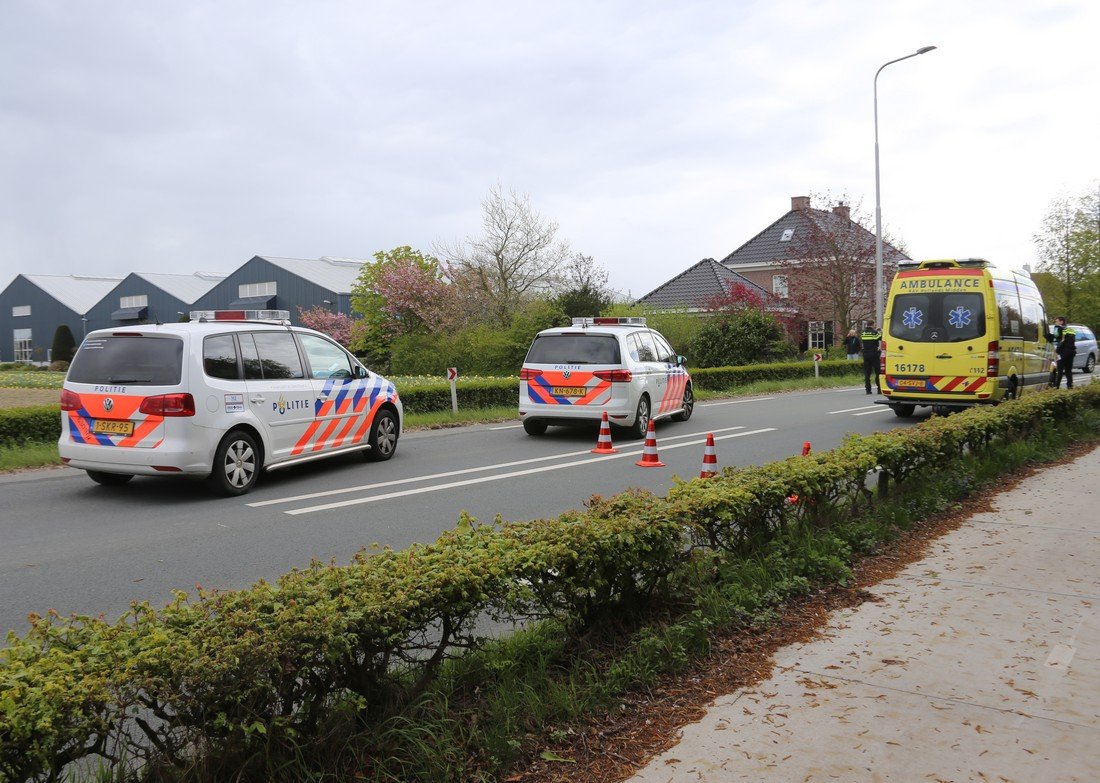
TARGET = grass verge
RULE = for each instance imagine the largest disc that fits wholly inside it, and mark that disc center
(29, 455)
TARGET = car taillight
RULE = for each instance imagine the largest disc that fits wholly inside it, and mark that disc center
(882, 358)
(993, 362)
(168, 405)
(70, 401)
(529, 375)
(615, 376)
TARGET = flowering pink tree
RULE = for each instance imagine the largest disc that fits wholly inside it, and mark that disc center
(736, 296)
(336, 325)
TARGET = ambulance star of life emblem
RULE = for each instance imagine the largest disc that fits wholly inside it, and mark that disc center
(108, 403)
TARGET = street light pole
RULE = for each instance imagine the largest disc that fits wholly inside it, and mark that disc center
(878, 196)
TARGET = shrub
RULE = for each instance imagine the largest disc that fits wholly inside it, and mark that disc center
(744, 336)
(58, 366)
(64, 346)
(35, 424)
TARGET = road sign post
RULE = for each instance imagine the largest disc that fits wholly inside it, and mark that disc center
(452, 376)
(817, 365)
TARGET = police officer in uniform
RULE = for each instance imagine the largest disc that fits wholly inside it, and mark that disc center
(1066, 350)
(870, 339)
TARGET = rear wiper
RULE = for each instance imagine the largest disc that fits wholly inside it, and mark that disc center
(128, 380)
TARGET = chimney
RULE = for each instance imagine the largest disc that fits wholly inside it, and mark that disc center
(843, 210)
(800, 203)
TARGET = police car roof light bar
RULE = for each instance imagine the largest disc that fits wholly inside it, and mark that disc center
(610, 320)
(278, 316)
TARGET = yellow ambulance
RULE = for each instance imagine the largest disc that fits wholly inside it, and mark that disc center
(961, 332)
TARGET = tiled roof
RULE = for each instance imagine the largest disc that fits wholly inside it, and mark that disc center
(79, 293)
(694, 286)
(769, 246)
(186, 288)
(336, 274)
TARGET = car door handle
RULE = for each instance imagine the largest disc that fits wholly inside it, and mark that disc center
(944, 356)
(256, 398)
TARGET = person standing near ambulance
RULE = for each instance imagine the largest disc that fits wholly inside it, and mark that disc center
(1066, 349)
(871, 339)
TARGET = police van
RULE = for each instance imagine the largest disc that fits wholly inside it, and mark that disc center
(225, 396)
(959, 333)
(613, 365)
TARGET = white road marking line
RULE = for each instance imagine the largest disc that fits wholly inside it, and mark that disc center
(507, 427)
(449, 473)
(849, 410)
(734, 402)
(501, 476)
(868, 413)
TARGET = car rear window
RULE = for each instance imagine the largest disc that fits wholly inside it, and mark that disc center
(574, 349)
(134, 360)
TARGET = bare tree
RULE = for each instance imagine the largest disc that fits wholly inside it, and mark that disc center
(831, 274)
(517, 255)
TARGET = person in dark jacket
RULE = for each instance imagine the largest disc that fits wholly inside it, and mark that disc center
(852, 345)
(870, 339)
(1066, 349)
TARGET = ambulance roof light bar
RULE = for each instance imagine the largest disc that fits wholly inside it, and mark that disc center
(275, 316)
(955, 263)
(609, 320)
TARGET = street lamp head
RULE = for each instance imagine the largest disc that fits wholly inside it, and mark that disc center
(925, 49)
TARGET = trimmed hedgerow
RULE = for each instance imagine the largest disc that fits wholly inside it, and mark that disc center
(36, 424)
(264, 672)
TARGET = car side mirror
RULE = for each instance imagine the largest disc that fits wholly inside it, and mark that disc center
(361, 371)
(681, 361)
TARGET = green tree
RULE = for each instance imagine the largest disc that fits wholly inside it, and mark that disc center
(584, 290)
(64, 345)
(740, 336)
(1068, 244)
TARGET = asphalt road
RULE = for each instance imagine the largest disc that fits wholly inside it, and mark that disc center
(72, 545)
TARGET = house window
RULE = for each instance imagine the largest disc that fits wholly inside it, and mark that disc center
(786, 235)
(817, 334)
(246, 290)
(779, 286)
(23, 347)
(134, 301)
(20, 310)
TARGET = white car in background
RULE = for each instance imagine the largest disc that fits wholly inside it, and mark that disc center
(615, 365)
(1085, 360)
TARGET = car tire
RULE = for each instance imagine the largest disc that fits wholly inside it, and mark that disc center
(689, 405)
(237, 464)
(1090, 365)
(534, 426)
(903, 410)
(109, 479)
(641, 418)
(383, 436)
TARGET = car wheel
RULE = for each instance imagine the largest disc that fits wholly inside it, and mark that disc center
(903, 410)
(236, 464)
(689, 405)
(383, 436)
(109, 479)
(534, 426)
(641, 418)
(1090, 364)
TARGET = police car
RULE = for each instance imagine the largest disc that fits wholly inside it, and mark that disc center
(225, 396)
(615, 365)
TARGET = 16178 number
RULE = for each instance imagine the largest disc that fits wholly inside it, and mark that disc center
(910, 368)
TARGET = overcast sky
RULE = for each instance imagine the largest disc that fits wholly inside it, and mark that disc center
(190, 136)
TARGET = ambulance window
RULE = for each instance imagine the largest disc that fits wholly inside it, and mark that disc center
(278, 355)
(1008, 311)
(219, 357)
(963, 316)
(132, 360)
(326, 359)
(1033, 316)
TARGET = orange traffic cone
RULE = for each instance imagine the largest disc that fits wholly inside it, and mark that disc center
(805, 448)
(710, 459)
(603, 443)
(649, 453)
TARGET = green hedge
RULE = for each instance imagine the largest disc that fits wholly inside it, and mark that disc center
(37, 424)
(240, 674)
(722, 378)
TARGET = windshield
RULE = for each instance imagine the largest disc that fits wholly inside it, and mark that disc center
(134, 361)
(937, 317)
(574, 349)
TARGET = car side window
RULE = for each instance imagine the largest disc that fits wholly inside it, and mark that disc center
(219, 357)
(664, 350)
(326, 359)
(647, 351)
(278, 355)
(633, 347)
